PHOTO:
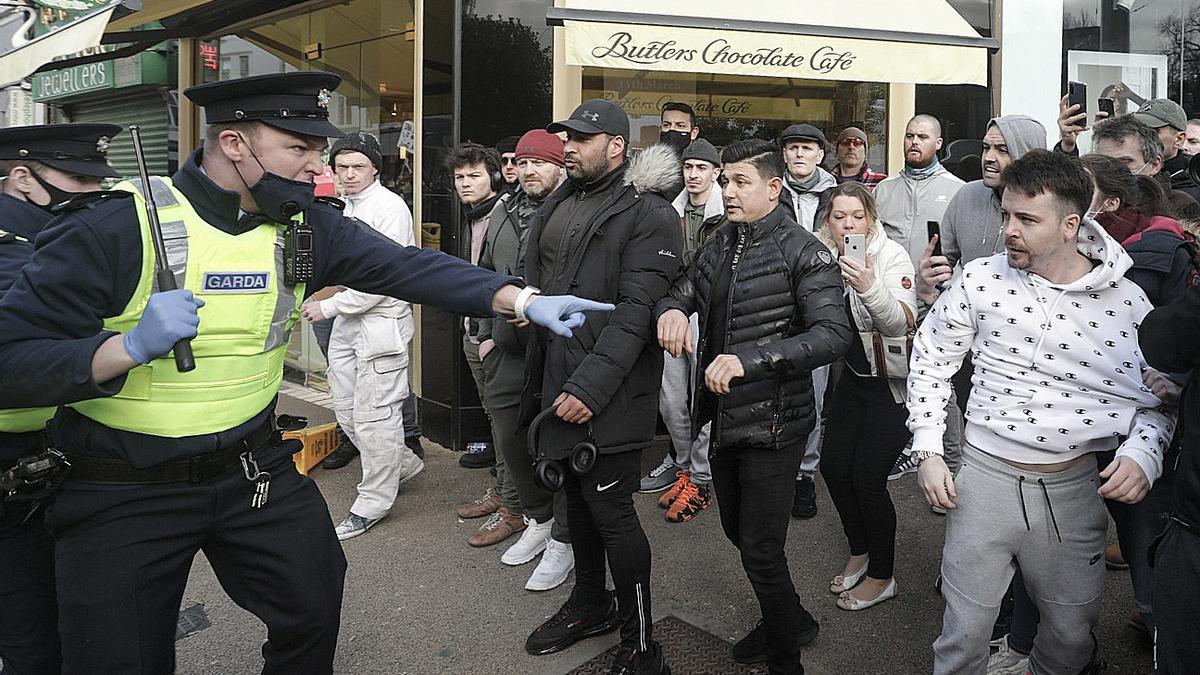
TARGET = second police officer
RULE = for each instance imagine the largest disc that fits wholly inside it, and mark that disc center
(41, 167)
(169, 463)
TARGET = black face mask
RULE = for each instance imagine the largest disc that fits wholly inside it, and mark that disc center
(57, 195)
(676, 139)
(278, 198)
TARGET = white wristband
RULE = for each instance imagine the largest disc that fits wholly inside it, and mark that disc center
(523, 300)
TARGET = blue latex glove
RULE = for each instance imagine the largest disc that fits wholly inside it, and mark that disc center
(169, 317)
(562, 313)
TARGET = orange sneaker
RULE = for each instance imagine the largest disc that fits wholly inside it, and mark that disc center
(672, 492)
(692, 500)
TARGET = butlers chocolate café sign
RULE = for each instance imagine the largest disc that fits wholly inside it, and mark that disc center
(771, 54)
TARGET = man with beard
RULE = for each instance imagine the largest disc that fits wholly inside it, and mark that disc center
(907, 203)
(42, 166)
(852, 159)
(679, 125)
(971, 224)
(609, 233)
(539, 162)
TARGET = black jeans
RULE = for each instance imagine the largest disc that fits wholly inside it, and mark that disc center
(754, 492)
(864, 436)
(123, 553)
(604, 525)
(1176, 596)
(513, 444)
(29, 642)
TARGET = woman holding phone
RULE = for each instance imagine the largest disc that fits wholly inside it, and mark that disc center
(856, 457)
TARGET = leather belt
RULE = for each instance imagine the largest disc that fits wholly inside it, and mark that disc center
(195, 469)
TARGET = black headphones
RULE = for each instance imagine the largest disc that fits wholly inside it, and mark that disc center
(549, 474)
(495, 166)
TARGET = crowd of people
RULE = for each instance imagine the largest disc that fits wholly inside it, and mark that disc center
(1022, 341)
(795, 291)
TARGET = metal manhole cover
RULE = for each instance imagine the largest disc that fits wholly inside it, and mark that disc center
(688, 650)
(191, 620)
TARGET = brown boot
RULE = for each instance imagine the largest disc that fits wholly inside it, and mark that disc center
(1113, 559)
(502, 525)
(487, 504)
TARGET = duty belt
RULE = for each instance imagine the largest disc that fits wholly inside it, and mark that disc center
(195, 469)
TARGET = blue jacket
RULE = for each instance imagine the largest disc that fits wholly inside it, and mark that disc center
(86, 267)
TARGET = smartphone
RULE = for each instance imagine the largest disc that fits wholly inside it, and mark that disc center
(1107, 105)
(856, 248)
(934, 231)
(1077, 95)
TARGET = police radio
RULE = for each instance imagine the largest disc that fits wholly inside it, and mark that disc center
(298, 253)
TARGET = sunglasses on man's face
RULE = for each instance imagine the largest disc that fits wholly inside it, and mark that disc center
(851, 142)
(509, 160)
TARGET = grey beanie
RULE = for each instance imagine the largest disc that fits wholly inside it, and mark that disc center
(702, 149)
(359, 141)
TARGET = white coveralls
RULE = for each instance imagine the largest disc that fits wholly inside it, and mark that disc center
(368, 362)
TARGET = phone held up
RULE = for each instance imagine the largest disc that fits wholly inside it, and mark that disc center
(1077, 95)
(1107, 106)
(856, 248)
(934, 231)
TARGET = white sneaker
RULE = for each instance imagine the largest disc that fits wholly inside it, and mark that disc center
(413, 469)
(354, 525)
(532, 542)
(1007, 662)
(556, 565)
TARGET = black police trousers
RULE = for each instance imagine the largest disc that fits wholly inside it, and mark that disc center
(123, 553)
(28, 635)
(604, 525)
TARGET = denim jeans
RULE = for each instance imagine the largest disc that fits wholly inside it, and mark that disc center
(754, 493)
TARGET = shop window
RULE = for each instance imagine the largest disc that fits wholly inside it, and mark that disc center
(1152, 47)
(736, 107)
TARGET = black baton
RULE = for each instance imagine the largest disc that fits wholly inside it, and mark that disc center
(184, 360)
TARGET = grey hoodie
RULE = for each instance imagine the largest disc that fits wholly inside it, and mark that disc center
(805, 205)
(971, 225)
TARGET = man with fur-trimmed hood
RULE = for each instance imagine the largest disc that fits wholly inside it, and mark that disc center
(607, 232)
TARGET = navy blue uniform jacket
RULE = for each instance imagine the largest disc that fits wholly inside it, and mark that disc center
(86, 266)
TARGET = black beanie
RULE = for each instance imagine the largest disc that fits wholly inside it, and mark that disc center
(359, 141)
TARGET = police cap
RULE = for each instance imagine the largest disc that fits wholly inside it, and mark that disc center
(79, 149)
(296, 102)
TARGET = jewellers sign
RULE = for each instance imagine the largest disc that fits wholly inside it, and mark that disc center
(771, 54)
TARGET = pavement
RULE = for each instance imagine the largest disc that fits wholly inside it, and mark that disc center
(419, 600)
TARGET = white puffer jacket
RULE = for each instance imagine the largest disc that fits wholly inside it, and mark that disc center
(880, 307)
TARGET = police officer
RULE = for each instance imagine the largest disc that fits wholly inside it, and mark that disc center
(168, 463)
(41, 166)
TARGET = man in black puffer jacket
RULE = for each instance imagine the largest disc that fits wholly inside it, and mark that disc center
(606, 233)
(770, 300)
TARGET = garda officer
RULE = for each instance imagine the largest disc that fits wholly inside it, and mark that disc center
(41, 166)
(168, 463)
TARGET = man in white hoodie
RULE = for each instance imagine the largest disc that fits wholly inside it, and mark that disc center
(1058, 377)
(368, 350)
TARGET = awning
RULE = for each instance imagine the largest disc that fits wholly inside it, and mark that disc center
(74, 37)
(911, 41)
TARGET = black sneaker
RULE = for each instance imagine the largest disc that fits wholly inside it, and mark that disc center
(804, 503)
(753, 647)
(628, 661)
(478, 460)
(572, 623)
(345, 453)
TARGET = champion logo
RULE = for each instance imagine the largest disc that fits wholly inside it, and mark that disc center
(236, 282)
